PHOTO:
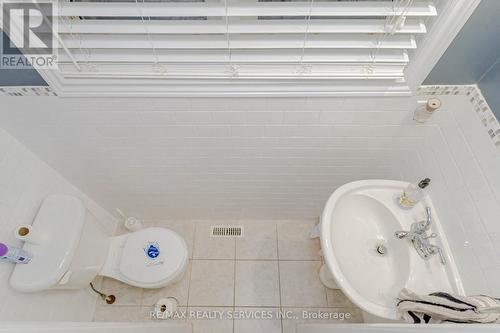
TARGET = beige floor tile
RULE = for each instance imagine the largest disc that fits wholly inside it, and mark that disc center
(212, 283)
(178, 290)
(210, 319)
(251, 320)
(147, 313)
(124, 293)
(117, 313)
(259, 241)
(300, 284)
(300, 316)
(208, 247)
(294, 242)
(257, 283)
(337, 299)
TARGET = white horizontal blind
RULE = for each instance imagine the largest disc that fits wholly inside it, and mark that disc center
(335, 39)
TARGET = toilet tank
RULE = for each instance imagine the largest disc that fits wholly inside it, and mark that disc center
(70, 251)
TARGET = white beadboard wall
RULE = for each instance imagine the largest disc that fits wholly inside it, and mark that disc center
(25, 181)
(215, 158)
(271, 158)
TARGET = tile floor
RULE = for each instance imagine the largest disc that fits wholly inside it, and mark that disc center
(273, 268)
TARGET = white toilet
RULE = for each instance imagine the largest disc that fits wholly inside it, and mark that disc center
(73, 249)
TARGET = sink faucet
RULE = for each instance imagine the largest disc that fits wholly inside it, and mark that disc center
(420, 240)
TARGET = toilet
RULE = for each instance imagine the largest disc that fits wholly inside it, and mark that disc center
(148, 258)
(72, 249)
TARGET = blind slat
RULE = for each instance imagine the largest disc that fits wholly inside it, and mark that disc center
(246, 9)
(411, 26)
(244, 56)
(352, 71)
(333, 41)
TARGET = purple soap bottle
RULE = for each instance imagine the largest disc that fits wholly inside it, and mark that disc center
(14, 254)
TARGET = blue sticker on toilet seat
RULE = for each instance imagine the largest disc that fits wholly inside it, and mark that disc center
(152, 250)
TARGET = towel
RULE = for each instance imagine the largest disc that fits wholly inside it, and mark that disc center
(442, 307)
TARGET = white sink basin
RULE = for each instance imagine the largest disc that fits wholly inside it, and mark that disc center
(358, 222)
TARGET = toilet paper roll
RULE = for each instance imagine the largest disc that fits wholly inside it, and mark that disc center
(28, 234)
(432, 105)
(166, 307)
(133, 224)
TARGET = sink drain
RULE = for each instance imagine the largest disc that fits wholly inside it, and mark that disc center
(381, 249)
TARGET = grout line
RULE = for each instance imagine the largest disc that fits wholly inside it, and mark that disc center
(142, 296)
(239, 306)
(242, 306)
(285, 260)
(300, 260)
(193, 235)
(191, 264)
(190, 269)
(194, 241)
(211, 306)
(279, 275)
(234, 280)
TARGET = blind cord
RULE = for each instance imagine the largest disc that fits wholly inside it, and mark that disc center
(155, 54)
(391, 25)
(306, 35)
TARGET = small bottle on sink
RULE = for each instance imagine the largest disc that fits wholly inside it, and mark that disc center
(413, 193)
(14, 254)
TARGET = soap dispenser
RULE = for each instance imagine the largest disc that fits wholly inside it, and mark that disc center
(413, 193)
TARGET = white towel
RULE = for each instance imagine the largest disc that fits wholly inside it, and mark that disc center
(443, 307)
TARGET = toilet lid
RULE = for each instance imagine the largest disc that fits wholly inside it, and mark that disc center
(153, 254)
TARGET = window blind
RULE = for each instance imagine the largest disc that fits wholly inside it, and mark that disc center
(310, 39)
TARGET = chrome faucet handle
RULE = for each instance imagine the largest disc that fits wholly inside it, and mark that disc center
(436, 249)
(429, 215)
(428, 211)
(422, 226)
(401, 234)
(433, 235)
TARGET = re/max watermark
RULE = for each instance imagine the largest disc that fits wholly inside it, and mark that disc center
(250, 315)
(28, 38)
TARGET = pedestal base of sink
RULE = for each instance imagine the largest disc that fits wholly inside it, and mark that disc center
(326, 277)
(328, 281)
(368, 318)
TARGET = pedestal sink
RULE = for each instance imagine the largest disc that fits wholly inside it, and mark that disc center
(367, 261)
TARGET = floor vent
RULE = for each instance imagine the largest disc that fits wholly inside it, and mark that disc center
(226, 231)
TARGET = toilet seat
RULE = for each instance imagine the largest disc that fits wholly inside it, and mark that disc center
(148, 258)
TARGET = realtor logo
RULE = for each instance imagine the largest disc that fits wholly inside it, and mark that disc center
(28, 29)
